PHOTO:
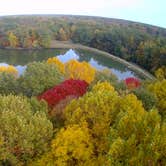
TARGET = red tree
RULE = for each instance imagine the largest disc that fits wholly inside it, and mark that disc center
(132, 82)
(67, 88)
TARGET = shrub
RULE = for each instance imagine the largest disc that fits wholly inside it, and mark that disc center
(67, 88)
(39, 77)
(25, 133)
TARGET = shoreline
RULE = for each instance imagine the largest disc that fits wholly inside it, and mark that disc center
(70, 45)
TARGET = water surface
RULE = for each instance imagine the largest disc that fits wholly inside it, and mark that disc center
(20, 58)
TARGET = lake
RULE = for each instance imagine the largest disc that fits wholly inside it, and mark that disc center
(20, 58)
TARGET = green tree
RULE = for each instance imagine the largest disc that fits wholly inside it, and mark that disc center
(8, 83)
(24, 132)
(38, 77)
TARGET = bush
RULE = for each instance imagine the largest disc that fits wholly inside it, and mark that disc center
(39, 77)
(24, 132)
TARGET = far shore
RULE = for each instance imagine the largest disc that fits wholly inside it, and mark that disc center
(69, 45)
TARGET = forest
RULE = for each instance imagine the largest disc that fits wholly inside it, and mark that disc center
(138, 43)
(71, 114)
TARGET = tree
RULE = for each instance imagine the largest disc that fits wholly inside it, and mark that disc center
(62, 35)
(79, 70)
(58, 63)
(25, 132)
(38, 77)
(8, 83)
(97, 109)
(137, 136)
(13, 40)
(159, 90)
(9, 69)
(71, 146)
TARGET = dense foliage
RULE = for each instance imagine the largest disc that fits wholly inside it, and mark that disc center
(9, 69)
(74, 69)
(70, 87)
(140, 43)
(39, 77)
(102, 122)
(24, 131)
(79, 70)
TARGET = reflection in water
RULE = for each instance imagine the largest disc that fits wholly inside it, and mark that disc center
(20, 69)
(19, 59)
(70, 54)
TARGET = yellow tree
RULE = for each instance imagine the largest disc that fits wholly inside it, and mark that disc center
(58, 63)
(97, 109)
(9, 69)
(137, 137)
(79, 70)
(63, 35)
(71, 146)
(13, 40)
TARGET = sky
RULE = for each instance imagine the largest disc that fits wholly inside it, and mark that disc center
(145, 11)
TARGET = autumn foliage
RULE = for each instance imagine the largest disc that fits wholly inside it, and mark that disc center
(79, 70)
(67, 88)
(58, 63)
(9, 69)
(132, 82)
(74, 69)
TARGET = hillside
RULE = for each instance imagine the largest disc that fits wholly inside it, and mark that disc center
(139, 43)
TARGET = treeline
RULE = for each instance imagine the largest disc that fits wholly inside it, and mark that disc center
(142, 44)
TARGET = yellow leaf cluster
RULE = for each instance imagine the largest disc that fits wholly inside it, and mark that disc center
(104, 86)
(79, 70)
(159, 89)
(9, 69)
(97, 109)
(137, 136)
(71, 146)
(58, 63)
(74, 69)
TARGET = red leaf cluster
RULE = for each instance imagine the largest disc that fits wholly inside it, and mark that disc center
(132, 82)
(69, 87)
